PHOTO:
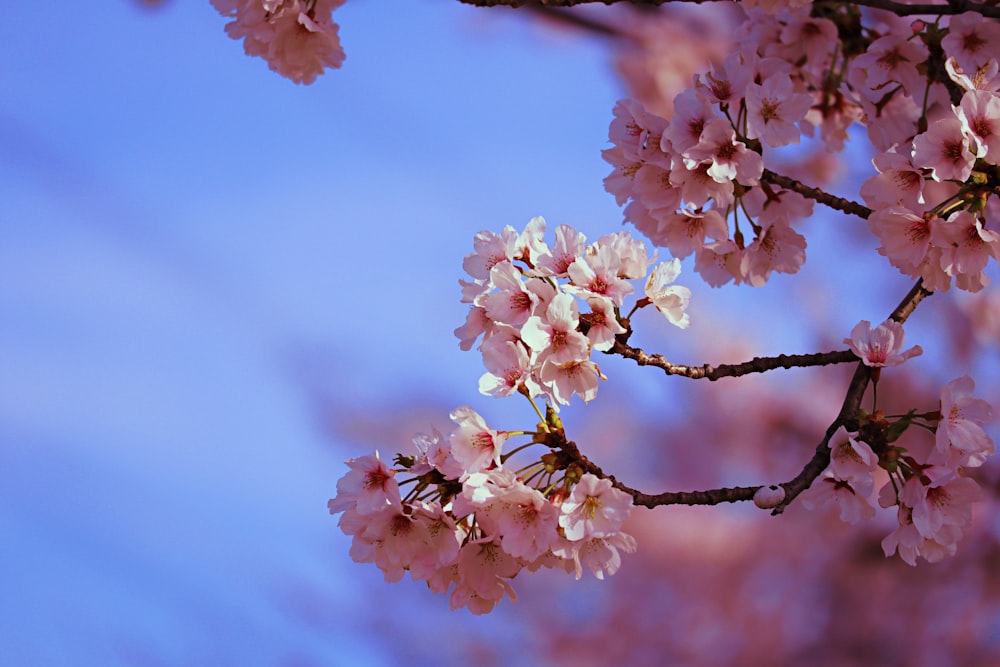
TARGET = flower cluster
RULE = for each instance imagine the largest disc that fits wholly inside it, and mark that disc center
(682, 179)
(526, 297)
(695, 183)
(938, 159)
(925, 481)
(470, 523)
(297, 38)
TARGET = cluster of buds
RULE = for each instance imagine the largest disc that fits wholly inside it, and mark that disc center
(470, 522)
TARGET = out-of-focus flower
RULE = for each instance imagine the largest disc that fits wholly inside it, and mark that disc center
(298, 39)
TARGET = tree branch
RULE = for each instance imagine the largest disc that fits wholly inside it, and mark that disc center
(849, 409)
(755, 365)
(813, 468)
(817, 195)
(898, 8)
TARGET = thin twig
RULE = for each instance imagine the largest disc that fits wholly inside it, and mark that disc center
(755, 365)
(813, 468)
(849, 409)
(817, 195)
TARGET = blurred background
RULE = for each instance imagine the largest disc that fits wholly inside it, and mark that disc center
(216, 285)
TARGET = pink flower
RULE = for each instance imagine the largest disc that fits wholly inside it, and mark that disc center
(368, 487)
(945, 149)
(852, 496)
(397, 538)
(477, 323)
(983, 78)
(604, 324)
(909, 543)
(441, 544)
(507, 363)
(483, 570)
(946, 501)
(685, 231)
(719, 262)
(778, 247)
(898, 183)
(773, 108)
(489, 249)
(597, 274)
(852, 459)
(959, 437)
(691, 115)
(889, 60)
(511, 303)
(556, 335)
(637, 132)
(971, 41)
(966, 248)
(562, 380)
(671, 300)
(297, 41)
(633, 258)
(905, 237)
(569, 245)
(979, 113)
(601, 555)
(526, 521)
(728, 159)
(594, 508)
(881, 346)
(475, 445)
(697, 188)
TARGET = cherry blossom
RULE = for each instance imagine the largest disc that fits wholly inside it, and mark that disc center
(369, 487)
(671, 300)
(773, 108)
(474, 444)
(594, 509)
(881, 346)
(959, 436)
(945, 149)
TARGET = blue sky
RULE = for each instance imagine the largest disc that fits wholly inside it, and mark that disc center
(191, 245)
(188, 243)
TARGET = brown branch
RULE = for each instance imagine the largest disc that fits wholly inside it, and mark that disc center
(898, 8)
(849, 409)
(755, 365)
(577, 20)
(813, 468)
(817, 195)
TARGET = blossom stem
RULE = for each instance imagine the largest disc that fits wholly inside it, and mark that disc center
(817, 195)
(755, 365)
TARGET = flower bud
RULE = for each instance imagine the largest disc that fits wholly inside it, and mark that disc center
(769, 496)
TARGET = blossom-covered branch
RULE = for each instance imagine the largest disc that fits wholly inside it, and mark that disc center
(691, 177)
(849, 409)
(848, 414)
(755, 365)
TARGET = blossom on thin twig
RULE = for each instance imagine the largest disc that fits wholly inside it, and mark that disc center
(881, 346)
